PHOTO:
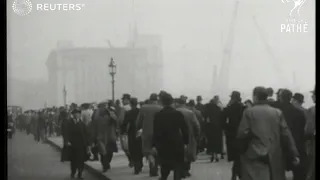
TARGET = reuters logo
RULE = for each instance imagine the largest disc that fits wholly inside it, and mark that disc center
(22, 7)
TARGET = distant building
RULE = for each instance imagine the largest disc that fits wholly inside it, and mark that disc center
(85, 73)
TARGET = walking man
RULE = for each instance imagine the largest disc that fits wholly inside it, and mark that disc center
(169, 143)
(145, 125)
(262, 133)
(134, 141)
(193, 133)
(233, 114)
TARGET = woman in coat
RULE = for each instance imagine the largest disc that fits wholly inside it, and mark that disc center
(77, 141)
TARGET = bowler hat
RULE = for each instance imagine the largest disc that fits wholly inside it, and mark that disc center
(154, 96)
(126, 96)
(199, 98)
(299, 97)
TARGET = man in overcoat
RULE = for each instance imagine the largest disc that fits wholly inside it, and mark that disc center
(310, 134)
(122, 112)
(214, 117)
(262, 133)
(193, 132)
(104, 125)
(199, 105)
(76, 139)
(145, 121)
(202, 140)
(296, 121)
(170, 138)
(233, 114)
(135, 143)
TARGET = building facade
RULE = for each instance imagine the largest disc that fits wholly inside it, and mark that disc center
(84, 72)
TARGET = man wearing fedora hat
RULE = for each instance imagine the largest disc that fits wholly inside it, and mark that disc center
(123, 138)
(298, 100)
(233, 114)
(134, 143)
(296, 121)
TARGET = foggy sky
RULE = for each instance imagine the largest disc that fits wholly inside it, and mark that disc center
(198, 27)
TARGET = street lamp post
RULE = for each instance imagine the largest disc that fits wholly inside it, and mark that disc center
(112, 71)
(64, 96)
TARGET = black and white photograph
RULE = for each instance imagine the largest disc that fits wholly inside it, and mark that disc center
(161, 89)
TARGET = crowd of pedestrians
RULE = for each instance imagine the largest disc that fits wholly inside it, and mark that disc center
(261, 135)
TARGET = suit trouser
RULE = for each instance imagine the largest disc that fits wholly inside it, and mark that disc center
(76, 166)
(106, 160)
(300, 172)
(177, 171)
(153, 167)
(236, 170)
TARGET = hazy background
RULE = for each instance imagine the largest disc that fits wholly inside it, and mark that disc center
(198, 26)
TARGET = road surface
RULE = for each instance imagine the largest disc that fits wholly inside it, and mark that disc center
(30, 160)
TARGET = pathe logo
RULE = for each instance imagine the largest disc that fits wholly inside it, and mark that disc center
(294, 23)
(297, 6)
(22, 7)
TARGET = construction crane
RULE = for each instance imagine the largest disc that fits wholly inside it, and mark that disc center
(223, 78)
(109, 43)
(271, 54)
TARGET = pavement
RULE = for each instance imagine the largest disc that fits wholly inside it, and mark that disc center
(202, 169)
(30, 160)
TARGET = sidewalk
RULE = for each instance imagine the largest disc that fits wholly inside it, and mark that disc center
(202, 169)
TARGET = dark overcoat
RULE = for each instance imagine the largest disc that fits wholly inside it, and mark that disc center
(264, 131)
(214, 129)
(201, 108)
(233, 114)
(129, 127)
(296, 120)
(63, 122)
(170, 135)
(310, 132)
(77, 136)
